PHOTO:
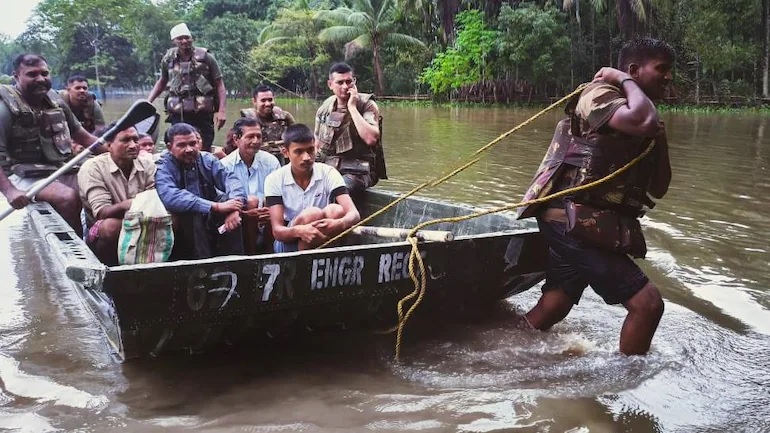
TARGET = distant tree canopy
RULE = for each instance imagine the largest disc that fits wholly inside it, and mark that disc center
(489, 50)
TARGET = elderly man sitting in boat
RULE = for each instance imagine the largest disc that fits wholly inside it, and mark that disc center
(251, 165)
(203, 198)
(108, 184)
(309, 202)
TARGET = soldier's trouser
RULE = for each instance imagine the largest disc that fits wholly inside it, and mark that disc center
(203, 121)
(358, 183)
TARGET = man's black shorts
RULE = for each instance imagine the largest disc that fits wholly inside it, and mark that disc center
(573, 265)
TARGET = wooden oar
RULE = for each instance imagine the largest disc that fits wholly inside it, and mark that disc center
(138, 112)
(394, 233)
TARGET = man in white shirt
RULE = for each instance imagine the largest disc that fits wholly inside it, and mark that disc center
(251, 166)
(309, 202)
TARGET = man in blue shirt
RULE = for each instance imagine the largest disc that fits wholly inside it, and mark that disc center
(251, 166)
(190, 184)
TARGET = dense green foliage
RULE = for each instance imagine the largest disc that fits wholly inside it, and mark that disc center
(461, 50)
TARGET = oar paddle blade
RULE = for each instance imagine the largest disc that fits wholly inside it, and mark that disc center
(139, 112)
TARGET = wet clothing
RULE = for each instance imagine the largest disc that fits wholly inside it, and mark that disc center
(192, 95)
(272, 129)
(34, 136)
(188, 194)
(342, 147)
(585, 149)
(90, 115)
(573, 265)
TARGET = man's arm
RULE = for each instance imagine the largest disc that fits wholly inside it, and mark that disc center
(78, 134)
(98, 115)
(639, 116)
(351, 212)
(224, 179)
(175, 199)
(160, 85)
(95, 193)
(369, 132)
(661, 178)
(219, 84)
(289, 119)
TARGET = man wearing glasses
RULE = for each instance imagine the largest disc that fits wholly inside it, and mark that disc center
(347, 132)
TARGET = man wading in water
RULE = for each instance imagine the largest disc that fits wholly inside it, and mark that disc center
(590, 235)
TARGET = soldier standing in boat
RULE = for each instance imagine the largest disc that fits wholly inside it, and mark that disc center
(272, 119)
(592, 235)
(83, 103)
(347, 131)
(36, 133)
(196, 88)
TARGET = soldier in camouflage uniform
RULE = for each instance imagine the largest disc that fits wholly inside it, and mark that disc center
(271, 118)
(83, 104)
(36, 133)
(196, 88)
(347, 132)
(591, 234)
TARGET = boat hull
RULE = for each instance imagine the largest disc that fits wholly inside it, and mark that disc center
(197, 305)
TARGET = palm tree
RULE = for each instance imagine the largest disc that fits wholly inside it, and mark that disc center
(369, 25)
(632, 14)
(444, 10)
(299, 25)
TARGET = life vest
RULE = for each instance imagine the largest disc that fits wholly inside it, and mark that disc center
(36, 136)
(339, 137)
(86, 115)
(190, 89)
(578, 156)
(272, 130)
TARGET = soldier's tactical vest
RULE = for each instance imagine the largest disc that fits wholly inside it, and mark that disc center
(578, 156)
(36, 136)
(339, 137)
(190, 90)
(273, 130)
(86, 115)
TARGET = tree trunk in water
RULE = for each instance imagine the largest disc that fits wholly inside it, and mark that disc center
(697, 80)
(766, 66)
(380, 90)
(313, 82)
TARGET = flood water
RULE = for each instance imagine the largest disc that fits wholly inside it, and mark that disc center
(708, 370)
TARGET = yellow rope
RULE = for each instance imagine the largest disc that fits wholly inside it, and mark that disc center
(421, 283)
(419, 288)
(456, 170)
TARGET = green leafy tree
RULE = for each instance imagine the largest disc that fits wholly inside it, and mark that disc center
(230, 37)
(290, 46)
(533, 42)
(466, 62)
(368, 26)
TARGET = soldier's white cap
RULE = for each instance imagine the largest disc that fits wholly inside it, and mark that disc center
(180, 30)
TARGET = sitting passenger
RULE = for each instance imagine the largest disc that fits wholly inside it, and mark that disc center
(309, 202)
(222, 151)
(108, 183)
(189, 183)
(146, 144)
(252, 165)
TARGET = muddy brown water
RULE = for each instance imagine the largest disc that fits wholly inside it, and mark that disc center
(708, 371)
